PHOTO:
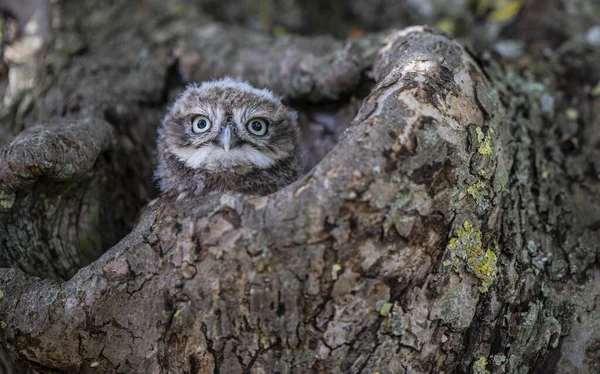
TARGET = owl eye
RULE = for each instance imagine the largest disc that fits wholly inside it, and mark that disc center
(200, 124)
(257, 126)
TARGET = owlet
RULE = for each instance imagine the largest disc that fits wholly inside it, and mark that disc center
(227, 136)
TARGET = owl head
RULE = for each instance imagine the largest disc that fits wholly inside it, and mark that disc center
(221, 132)
(228, 124)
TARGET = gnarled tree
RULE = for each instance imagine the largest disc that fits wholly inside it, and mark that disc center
(442, 225)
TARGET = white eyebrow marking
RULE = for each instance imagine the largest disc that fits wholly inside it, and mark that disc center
(244, 114)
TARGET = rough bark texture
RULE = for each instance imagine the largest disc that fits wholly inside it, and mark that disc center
(454, 226)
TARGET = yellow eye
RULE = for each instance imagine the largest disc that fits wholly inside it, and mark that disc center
(200, 124)
(257, 126)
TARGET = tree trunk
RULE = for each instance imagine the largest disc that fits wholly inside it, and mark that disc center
(449, 219)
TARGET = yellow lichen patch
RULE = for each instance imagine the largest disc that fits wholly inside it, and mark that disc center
(279, 32)
(6, 200)
(335, 270)
(3, 325)
(485, 141)
(544, 174)
(478, 191)
(466, 250)
(479, 366)
(475, 189)
(385, 310)
(505, 10)
(446, 24)
(572, 114)
(596, 90)
(499, 10)
(177, 316)
(1, 294)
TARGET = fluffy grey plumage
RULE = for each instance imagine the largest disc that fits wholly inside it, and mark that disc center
(227, 136)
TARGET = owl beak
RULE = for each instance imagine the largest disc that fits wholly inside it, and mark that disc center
(225, 138)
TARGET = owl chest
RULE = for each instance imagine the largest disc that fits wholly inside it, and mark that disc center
(225, 181)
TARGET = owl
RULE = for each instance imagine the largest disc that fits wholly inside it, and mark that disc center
(227, 136)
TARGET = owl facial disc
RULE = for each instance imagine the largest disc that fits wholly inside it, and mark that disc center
(227, 136)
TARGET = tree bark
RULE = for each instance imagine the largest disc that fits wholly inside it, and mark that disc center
(448, 227)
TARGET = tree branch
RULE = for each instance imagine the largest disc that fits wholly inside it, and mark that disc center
(331, 272)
